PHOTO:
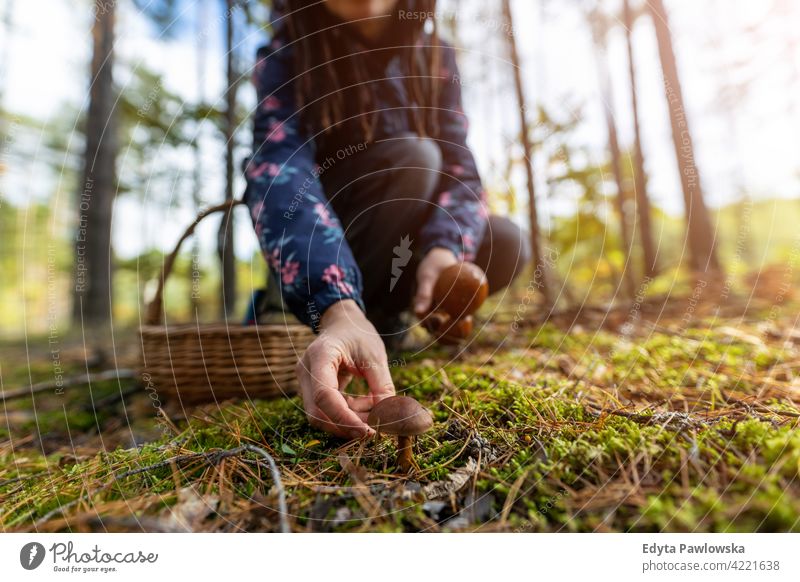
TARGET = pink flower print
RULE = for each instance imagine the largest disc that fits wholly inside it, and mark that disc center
(289, 272)
(457, 170)
(445, 198)
(256, 211)
(483, 210)
(272, 170)
(270, 103)
(276, 132)
(333, 275)
(257, 171)
(274, 258)
(324, 215)
(468, 241)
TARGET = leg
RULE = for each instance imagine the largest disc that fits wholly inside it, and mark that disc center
(503, 252)
(383, 196)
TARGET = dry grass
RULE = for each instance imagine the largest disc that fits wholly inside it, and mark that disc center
(631, 418)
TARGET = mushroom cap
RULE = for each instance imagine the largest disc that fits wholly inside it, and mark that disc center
(400, 415)
(460, 290)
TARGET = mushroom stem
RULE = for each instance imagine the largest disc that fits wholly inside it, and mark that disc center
(405, 457)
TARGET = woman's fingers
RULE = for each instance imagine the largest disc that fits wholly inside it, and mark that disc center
(425, 281)
(344, 350)
(327, 398)
(332, 403)
(380, 380)
(345, 378)
(325, 406)
(320, 420)
(427, 274)
(360, 404)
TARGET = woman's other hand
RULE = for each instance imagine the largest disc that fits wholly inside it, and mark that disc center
(348, 345)
(437, 260)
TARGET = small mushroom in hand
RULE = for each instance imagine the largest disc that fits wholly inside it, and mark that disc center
(460, 290)
(404, 417)
(446, 330)
(456, 332)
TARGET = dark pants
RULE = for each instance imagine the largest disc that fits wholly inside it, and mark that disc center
(386, 193)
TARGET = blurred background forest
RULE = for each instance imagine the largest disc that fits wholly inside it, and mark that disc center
(121, 119)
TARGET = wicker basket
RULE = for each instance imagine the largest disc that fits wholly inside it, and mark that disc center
(196, 363)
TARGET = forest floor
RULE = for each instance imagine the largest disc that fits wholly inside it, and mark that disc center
(673, 413)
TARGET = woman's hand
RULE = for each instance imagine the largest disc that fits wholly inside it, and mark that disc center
(348, 345)
(437, 260)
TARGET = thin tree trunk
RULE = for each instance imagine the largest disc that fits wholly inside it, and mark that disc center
(540, 264)
(604, 79)
(197, 174)
(643, 210)
(225, 236)
(93, 257)
(703, 255)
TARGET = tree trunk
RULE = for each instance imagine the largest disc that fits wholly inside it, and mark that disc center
(639, 176)
(703, 255)
(93, 257)
(540, 263)
(225, 235)
(604, 78)
(197, 174)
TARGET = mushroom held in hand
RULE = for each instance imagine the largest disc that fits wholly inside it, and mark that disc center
(446, 330)
(404, 417)
(460, 290)
(456, 332)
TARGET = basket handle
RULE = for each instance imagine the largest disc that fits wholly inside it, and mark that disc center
(155, 308)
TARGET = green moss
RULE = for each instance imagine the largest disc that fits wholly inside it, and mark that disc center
(658, 431)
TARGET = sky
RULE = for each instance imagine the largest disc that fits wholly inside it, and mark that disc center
(751, 147)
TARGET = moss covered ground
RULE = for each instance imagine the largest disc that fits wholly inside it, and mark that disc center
(666, 414)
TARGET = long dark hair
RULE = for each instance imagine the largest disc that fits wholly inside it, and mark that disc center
(334, 83)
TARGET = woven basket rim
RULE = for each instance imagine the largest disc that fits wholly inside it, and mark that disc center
(221, 326)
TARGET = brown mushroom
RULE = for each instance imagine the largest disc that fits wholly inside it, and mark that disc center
(446, 330)
(456, 332)
(460, 290)
(405, 418)
(436, 321)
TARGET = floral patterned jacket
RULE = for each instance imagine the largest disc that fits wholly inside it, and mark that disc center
(299, 233)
